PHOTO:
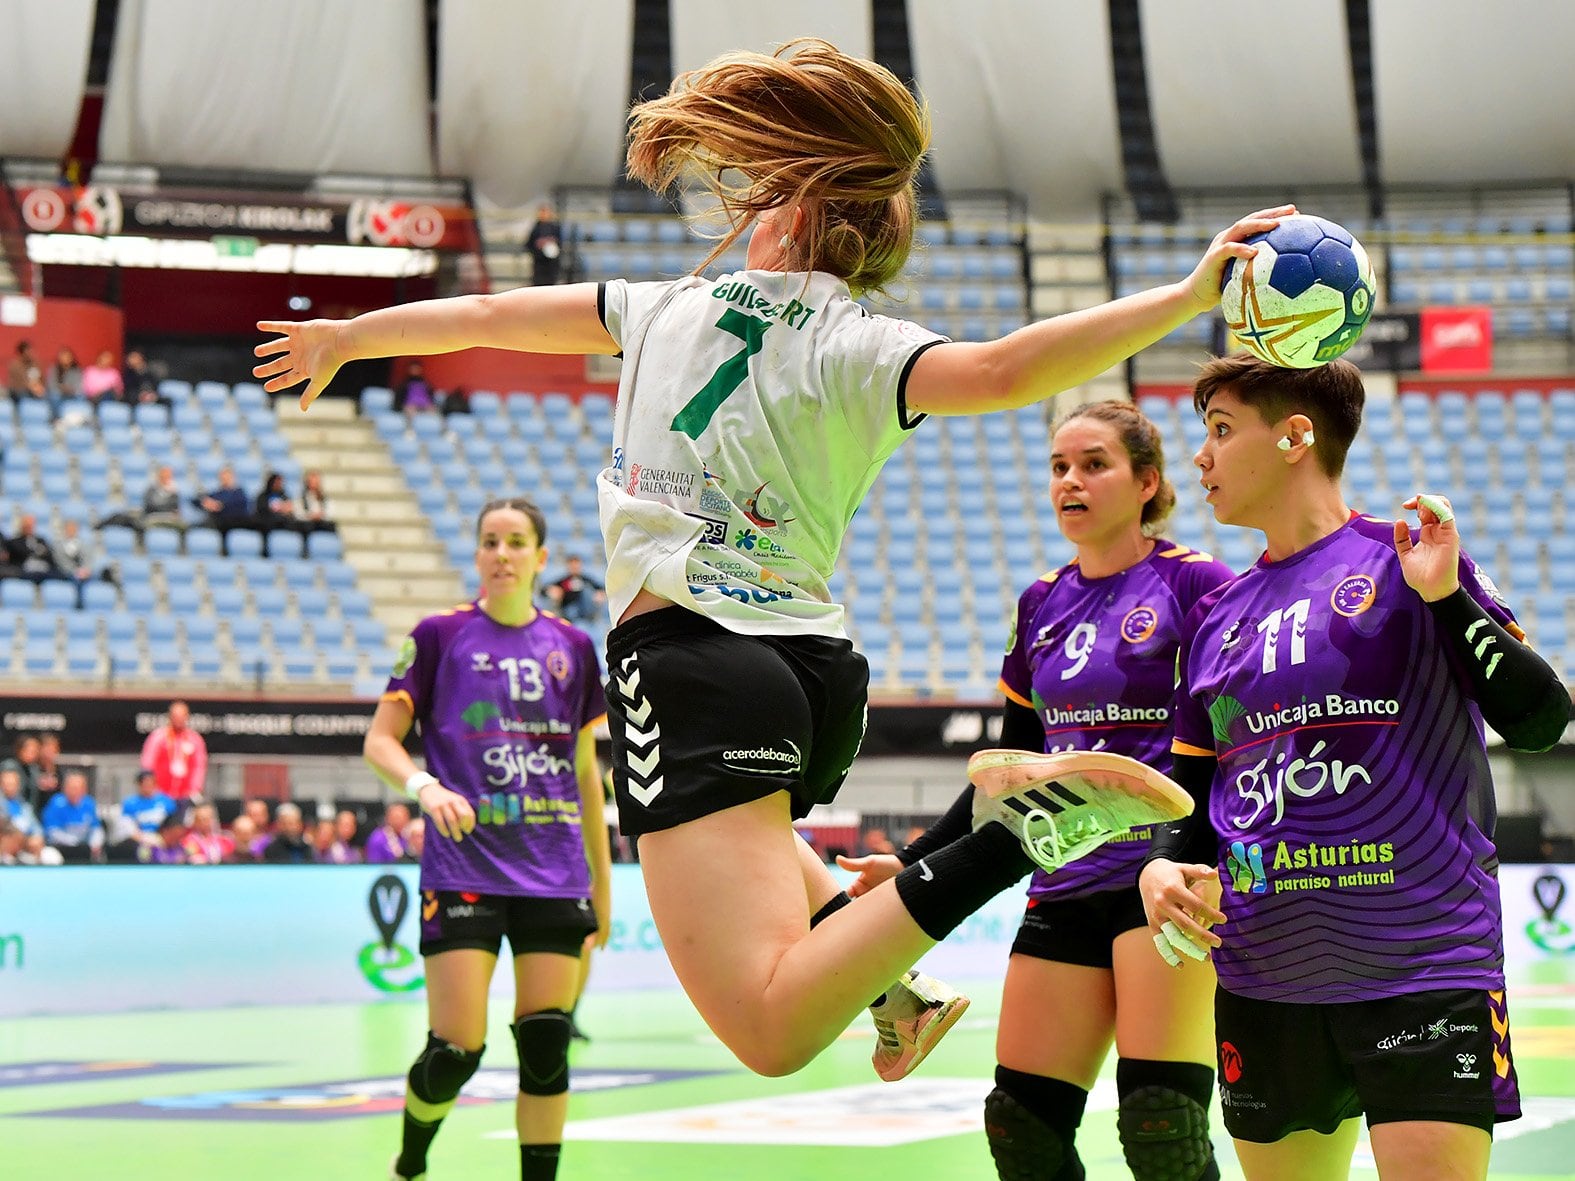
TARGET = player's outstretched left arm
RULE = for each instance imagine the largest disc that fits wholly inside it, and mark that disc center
(1057, 354)
(1517, 692)
(562, 319)
(593, 830)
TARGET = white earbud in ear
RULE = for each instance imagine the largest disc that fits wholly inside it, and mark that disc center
(787, 242)
(1308, 439)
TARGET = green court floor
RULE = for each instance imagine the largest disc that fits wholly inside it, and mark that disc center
(313, 1092)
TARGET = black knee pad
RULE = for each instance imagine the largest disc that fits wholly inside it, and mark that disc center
(1163, 1119)
(1030, 1122)
(442, 1070)
(543, 1042)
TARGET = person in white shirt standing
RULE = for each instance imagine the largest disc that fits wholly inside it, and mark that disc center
(754, 412)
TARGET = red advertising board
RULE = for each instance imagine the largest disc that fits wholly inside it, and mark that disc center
(1457, 340)
(269, 217)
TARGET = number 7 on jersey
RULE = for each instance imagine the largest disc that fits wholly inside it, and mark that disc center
(698, 412)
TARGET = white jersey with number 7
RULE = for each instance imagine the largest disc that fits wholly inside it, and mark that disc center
(754, 412)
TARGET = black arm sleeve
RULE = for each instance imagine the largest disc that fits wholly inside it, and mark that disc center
(1517, 691)
(1190, 841)
(1021, 729)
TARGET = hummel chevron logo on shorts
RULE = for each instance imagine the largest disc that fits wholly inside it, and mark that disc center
(641, 735)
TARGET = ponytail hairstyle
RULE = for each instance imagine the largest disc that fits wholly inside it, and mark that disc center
(1145, 450)
(837, 137)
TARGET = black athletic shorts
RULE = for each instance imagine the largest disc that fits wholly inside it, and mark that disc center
(1287, 1067)
(704, 719)
(1079, 930)
(451, 919)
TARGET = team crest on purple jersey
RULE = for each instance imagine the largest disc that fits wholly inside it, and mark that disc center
(1353, 595)
(1139, 624)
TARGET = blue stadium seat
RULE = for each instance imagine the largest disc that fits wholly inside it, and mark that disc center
(120, 631)
(81, 627)
(58, 595)
(201, 631)
(298, 664)
(339, 576)
(370, 636)
(165, 663)
(324, 546)
(99, 597)
(250, 396)
(287, 632)
(286, 543)
(205, 665)
(161, 542)
(161, 632)
(83, 658)
(376, 398)
(245, 543)
(352, 603)
(38, 658)
(340, 665)
(203, 542)
(269, 601)
(17, 594)
(245, 631)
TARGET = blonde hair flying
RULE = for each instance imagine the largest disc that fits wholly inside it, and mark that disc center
(837, 137)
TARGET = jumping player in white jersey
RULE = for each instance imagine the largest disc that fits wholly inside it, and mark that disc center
(507, 698)
(1091, 665)
(754, 412)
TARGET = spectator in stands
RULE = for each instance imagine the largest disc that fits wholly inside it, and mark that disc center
(275, 509)
(456, 401)
(226, 505)
(415, 841)
(576, 595)
(24, 761)
(415, 393)
(313, 511)
(256, 810)
(545, 243)
(19, 848)
(161, 502)
(345, 833)
(243, 835)
(138, 382)
(80, 559)
(177, 755)
(206, 843)
(24, 376)
(71, 822)
(327, 848)
(387, 842)
(148, 808)
(49, 768)
(30, 555)
(65, 375)
(16, 810)
(169, 848)
(288, 846)
(102, 380)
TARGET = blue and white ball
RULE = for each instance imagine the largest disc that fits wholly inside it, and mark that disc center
(1304, 298)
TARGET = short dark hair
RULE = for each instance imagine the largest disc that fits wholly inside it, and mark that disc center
(1140, 439)
(519, 504)
(1331, 395)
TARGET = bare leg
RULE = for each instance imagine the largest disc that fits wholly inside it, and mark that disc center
(774, 991)
(1301, 1156)
(1071, 1051)
(1426, 1150)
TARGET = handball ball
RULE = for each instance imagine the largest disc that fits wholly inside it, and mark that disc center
(1304, 298)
